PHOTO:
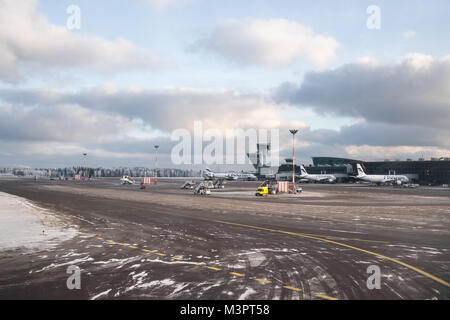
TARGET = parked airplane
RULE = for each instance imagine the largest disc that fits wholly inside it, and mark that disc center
(246, 176)
(379, 178)
(127, 180)
(210, 175)
(316, 177)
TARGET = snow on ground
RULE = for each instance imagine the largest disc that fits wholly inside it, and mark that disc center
(23, 224)
(102, 294)
(248, 292)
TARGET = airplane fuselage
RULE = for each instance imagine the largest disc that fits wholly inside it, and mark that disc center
(213, 175)
(210, 175)
(383, 178)
(316, 177)
(319, 177)
(379, 178)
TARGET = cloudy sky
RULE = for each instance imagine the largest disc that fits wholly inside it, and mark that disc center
(135, 71)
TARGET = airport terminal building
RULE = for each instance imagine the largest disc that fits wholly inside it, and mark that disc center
(434, 171)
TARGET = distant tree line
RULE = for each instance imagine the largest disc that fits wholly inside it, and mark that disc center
(70, 172)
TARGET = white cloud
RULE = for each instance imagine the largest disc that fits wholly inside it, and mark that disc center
(419, 62)
(271, 42)
(367, 152)
(163, 109)
(117, 119)
(402, 107)
(28, 40)
(61, 123)
(116, 123)
(411, 91)
(125, 122)
(381, 134)
(111, 117)
(368, 61)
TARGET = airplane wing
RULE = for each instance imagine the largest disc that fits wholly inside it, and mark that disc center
(326, 179)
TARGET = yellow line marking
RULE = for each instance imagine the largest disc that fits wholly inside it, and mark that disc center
(304, 234)
(263, 280)
(325, 297)
(214, 268)
(292, 288)
(426, 274)
(197, 264)
(344, 239)
(218, 269)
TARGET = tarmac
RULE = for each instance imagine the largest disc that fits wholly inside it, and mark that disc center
(167, 243)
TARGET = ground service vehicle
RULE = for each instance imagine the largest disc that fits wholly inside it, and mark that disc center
(202, 189)
(267, 187)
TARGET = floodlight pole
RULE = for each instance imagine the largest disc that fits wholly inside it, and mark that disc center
(156, 164)
(293, 132)
(84, 154)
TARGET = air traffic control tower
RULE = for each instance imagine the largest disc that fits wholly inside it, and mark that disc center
(259, 162)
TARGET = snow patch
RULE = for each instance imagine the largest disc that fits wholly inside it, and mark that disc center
(246, 294)
(25, 225)
(104, 293)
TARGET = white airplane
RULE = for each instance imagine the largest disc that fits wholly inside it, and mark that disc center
(246, 176)
(316, 177)
(379, 178)
(127, 180)
(210, 175)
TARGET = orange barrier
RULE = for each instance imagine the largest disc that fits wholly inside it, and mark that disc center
(283, 186)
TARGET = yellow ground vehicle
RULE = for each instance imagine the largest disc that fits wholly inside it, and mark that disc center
(268, 187)
(262, 191)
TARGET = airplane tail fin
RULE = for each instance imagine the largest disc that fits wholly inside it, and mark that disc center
(208, 169)
(360, 170)
(303, 171)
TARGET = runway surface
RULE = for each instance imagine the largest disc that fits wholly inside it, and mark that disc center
(166, 243)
